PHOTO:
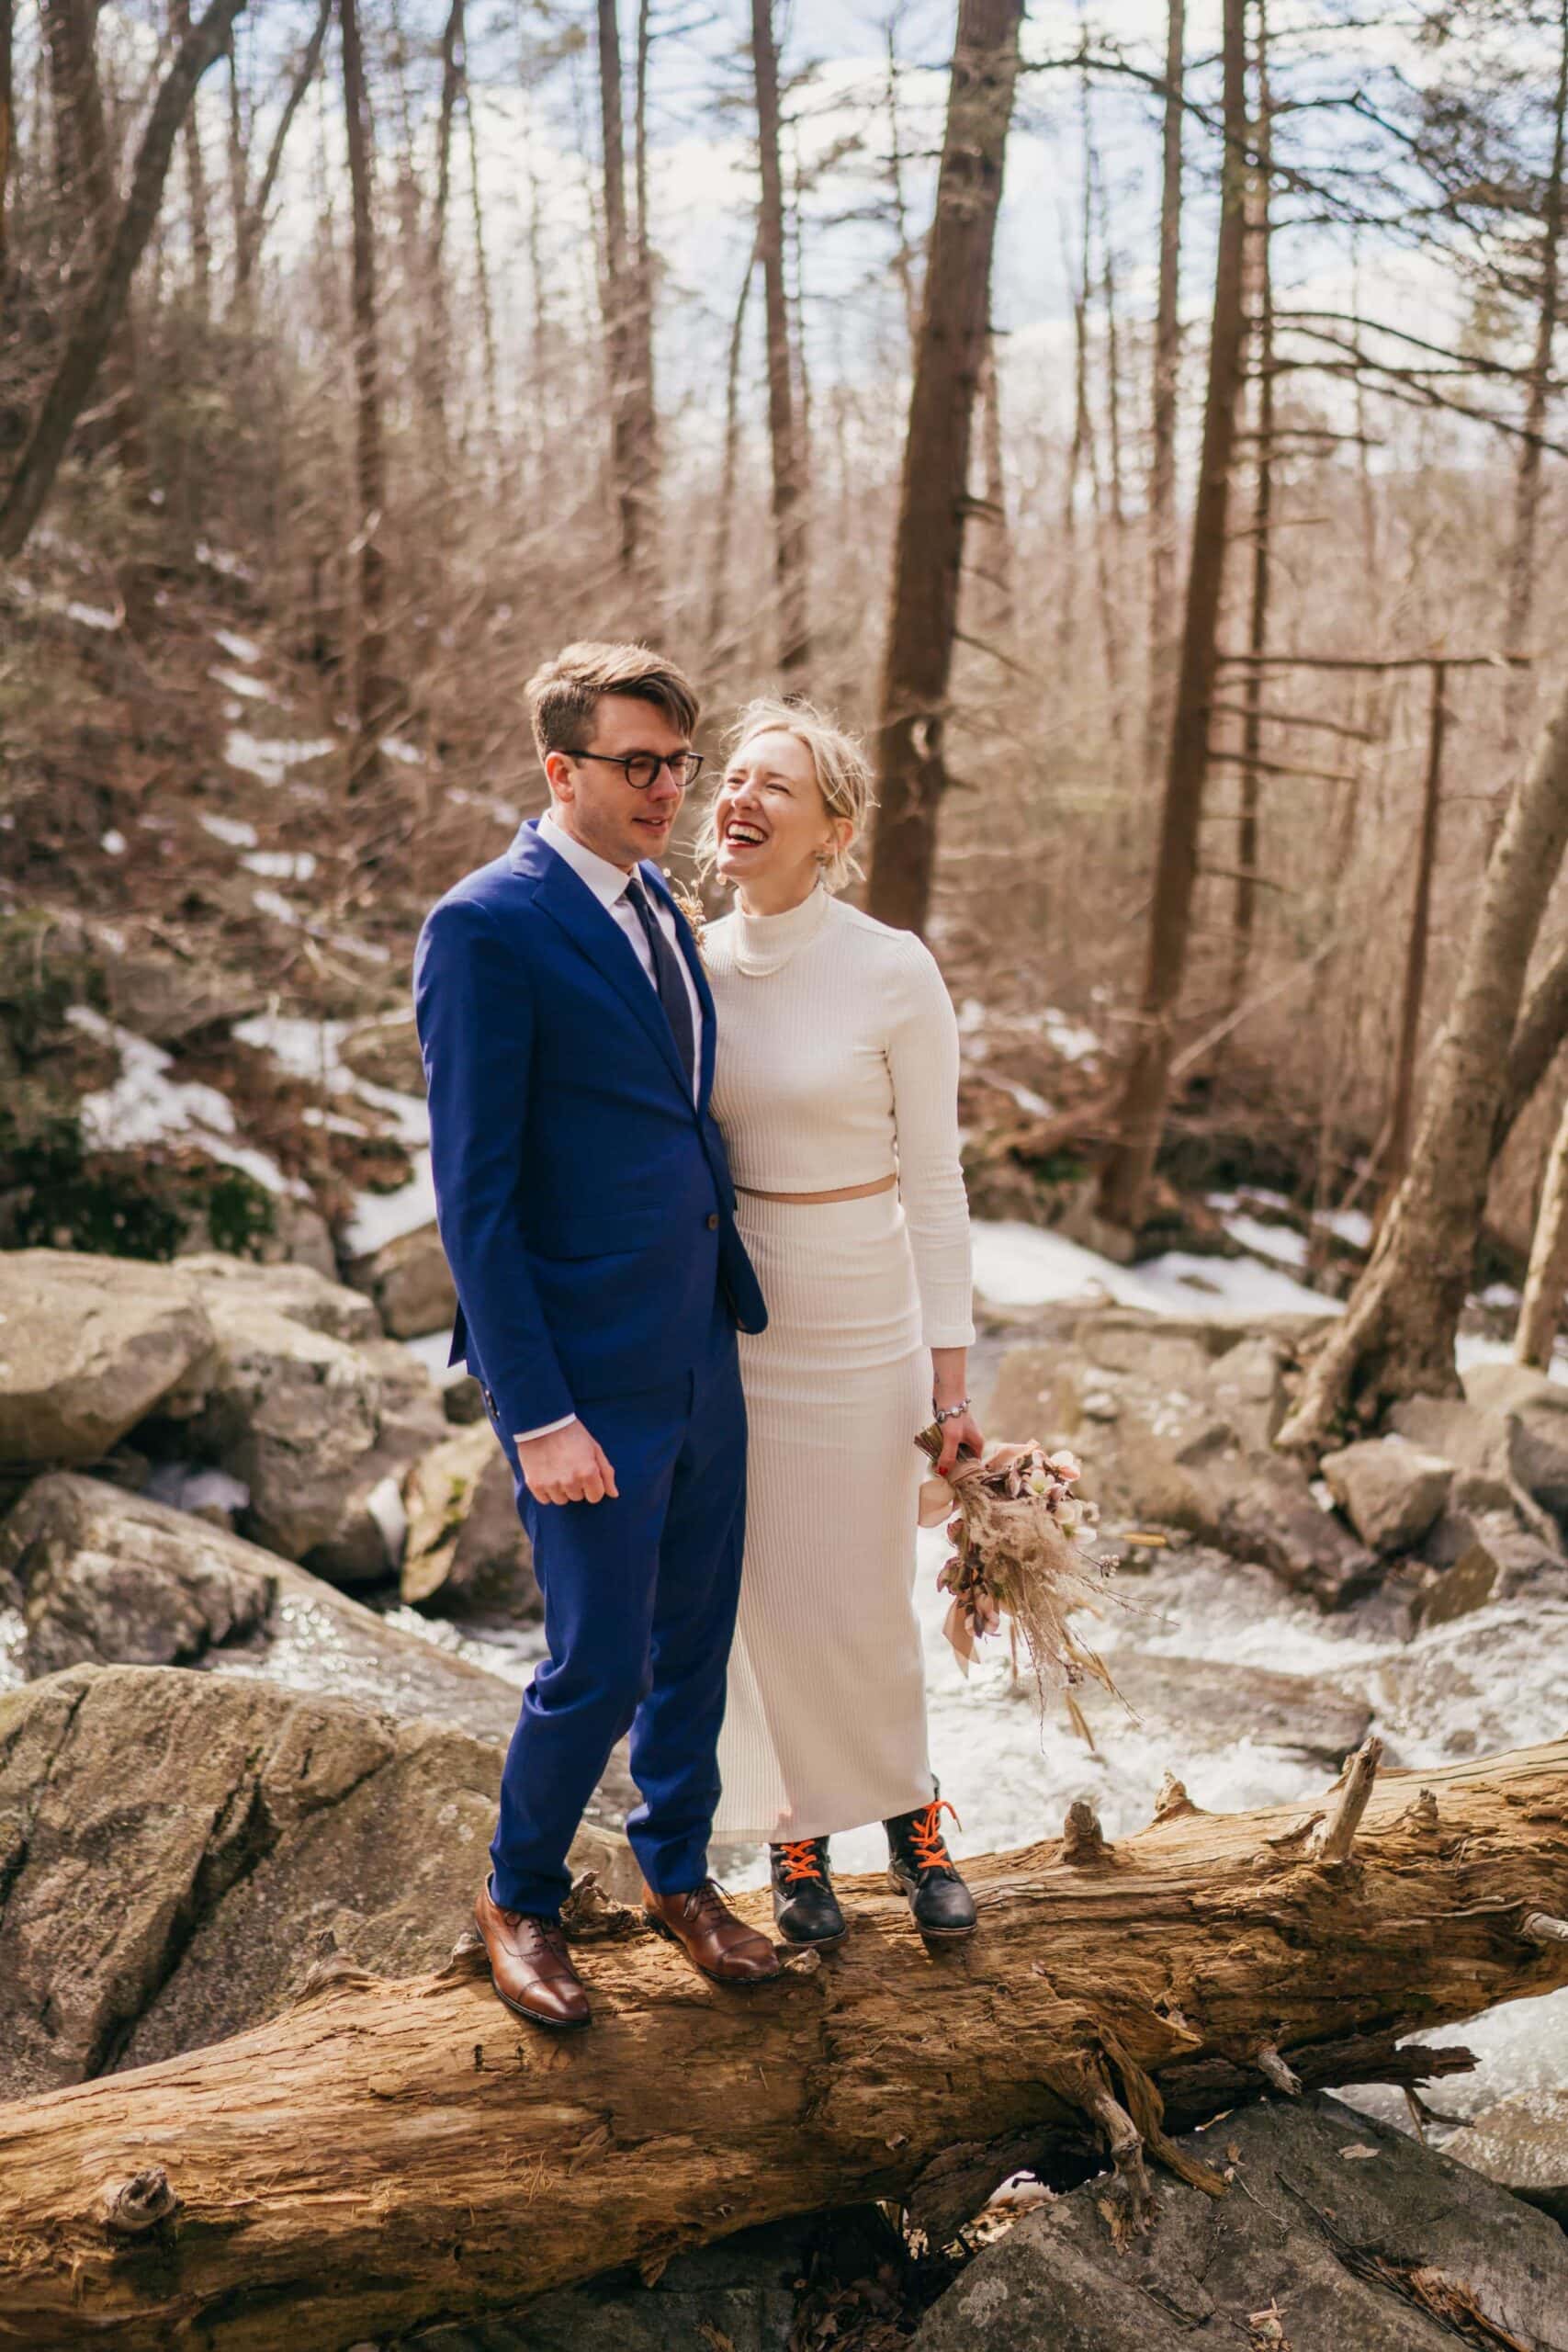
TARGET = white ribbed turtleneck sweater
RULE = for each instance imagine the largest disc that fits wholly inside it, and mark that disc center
(836, 1063)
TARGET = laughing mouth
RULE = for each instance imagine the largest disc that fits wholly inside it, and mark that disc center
(744, 836)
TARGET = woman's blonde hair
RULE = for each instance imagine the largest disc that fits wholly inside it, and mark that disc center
(838, 762)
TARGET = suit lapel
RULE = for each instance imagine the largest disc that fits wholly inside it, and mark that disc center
(594, 931)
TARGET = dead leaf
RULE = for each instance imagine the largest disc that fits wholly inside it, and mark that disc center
(1357, 2148)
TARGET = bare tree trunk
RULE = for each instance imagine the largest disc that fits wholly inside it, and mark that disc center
(1401, 1121)
(904, 255)
(1141, 1112)
(1299, 1951)
(1245, 902)
(784, 427)
(929, 548)
(101, 312)
(452, 71)
(1540, 1308)
(196, 182)
(373, 689)
(1527, 480)
(70, 26)
(995, 565)
(1396, 1339)
(251, 217)
(724, 519)
(1543, 1025)
(7, 137)
(1167, 366)
(481, 273)
(619, 293)
(645, 410)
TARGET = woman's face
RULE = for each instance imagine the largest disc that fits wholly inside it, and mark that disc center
(772, 823)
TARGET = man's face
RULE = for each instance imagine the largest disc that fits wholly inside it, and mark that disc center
(593, 798)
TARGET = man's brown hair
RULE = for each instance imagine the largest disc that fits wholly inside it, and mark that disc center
(564, 693)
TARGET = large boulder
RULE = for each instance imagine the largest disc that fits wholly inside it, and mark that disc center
(89, 1346)
(321, 1432)
(301, 1292)
(466, 1542)
(1521, 2142)
(171, 1001)
(176, 1850)
(112, 1578)
(1337, 2233)
(1539, 1407)
(1490, 1453)
(1262, 1508)
(1389, 1489)
(410, 1282)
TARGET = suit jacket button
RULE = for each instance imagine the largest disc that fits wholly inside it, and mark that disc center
(713, 1221)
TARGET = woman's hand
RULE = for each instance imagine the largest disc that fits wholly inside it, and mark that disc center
(961, 1434)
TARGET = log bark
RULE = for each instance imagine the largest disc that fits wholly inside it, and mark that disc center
(386, 2153)
(933, 498)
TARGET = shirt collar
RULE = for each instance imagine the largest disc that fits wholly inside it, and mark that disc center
(608, 882)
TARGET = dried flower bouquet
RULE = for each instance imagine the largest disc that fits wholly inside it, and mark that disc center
(1016, 1522)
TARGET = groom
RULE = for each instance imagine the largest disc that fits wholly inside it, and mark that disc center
(585, 1206)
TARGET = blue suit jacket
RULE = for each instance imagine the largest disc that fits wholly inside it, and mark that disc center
(584, 1199)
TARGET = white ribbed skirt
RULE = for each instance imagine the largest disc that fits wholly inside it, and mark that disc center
(825, 1727)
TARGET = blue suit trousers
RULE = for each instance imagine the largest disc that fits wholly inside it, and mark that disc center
(640, 1595)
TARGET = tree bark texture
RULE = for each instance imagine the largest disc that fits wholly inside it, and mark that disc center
(104, 306)
(1167, 366)
(1527, 478)
(373, 692)
(1141, 1112)
(627, 333)
(386, 2153)
(1545, 1282)
(251, 219)
(1245, 917)
(7, 136)
(783, 425)
(934, 497)
(1401, 1121)
(1396, 1339)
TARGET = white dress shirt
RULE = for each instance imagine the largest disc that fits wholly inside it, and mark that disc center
(608, 884)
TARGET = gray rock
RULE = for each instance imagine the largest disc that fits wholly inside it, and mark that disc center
(1351, 2237)
(1209, 1704)
(176, 1850)
(1389, 1489)
(302, 1293)
(1246, 1387)
(1458, 1591)
(1262, 1508)
(160, 997)
(1490, 1453)
(410, 1282)
(110, 1579)
(89, 1346)
(385, 1051)
(466, 1541)
(1522, 2144)
(1540, 1405)
(1522, 1560)
(739, 2295)
(321, 1432)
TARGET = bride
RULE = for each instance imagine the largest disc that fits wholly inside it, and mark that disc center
(836, 1087)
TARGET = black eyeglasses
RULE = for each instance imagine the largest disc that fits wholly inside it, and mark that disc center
(639, 768)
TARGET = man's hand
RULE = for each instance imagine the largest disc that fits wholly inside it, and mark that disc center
(567, 1466)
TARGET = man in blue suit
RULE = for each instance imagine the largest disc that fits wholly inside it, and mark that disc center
(586, 1210)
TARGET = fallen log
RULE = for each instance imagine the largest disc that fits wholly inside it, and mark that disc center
(390, 2153)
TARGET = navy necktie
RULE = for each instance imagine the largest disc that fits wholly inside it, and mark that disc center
(668, 977)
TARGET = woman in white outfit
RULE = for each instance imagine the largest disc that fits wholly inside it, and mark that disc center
(836, 1087)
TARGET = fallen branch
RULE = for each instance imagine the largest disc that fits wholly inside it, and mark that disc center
(388, 2153)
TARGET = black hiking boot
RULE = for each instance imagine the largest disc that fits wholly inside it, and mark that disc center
(922, 1869)
(805, 1909)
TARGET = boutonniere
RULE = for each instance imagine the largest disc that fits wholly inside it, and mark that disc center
(695, 913)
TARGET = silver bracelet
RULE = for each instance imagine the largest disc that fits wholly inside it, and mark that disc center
(949, 1412)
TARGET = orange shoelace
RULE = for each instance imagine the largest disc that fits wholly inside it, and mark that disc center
(798, 1858)
(926, 1837)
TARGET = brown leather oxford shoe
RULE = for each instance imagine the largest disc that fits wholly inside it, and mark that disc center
(530, 1966)
(713, 1939)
